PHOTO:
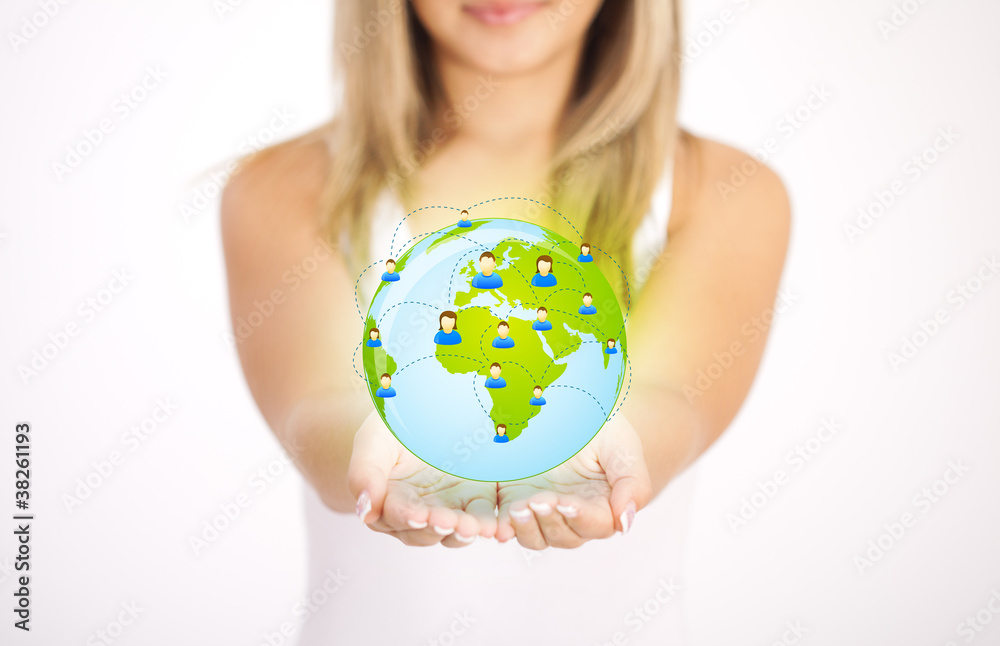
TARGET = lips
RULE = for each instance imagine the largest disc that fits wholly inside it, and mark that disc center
(503, 13)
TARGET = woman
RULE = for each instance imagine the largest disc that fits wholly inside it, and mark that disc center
(542, 277)
(572, 105)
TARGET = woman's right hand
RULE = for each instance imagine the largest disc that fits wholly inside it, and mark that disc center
(400, 495)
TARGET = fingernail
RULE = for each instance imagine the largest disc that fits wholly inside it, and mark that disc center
(569, 511)
(443, 531)
(520, 515)
(364, 505)
(542, 508)
(417, 524)
(627, 518)
(464, 539)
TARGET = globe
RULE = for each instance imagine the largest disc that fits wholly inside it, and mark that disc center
(444, 372)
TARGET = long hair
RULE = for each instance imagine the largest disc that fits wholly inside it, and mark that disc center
(611, 149)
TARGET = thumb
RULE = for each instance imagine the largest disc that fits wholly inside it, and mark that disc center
(374, 455)
(625, 468)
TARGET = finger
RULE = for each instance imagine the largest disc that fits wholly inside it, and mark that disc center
(485, 512)
(525, 526)
(442, 521)
(589, 518)
(629, 479)
(403, 509)
(372, 459)
(466, 532)
(555, 531)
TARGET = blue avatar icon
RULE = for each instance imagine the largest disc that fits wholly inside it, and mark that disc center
(386, 390)
(390, 275)
(495, 380)
(464, 222)
(587, 307)
(542, 277)
(373, 340)
(486, 278)
(541, 324)
(611, 349)
(537, 400)
(447, 333)
(501, 436)
(585, 253)
(503, 341)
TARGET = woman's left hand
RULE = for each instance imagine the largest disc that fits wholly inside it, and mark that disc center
(594, 494)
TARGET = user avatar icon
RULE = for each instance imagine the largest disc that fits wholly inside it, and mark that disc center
(373, 339)
(390, 275)
(587, 307)
(503, 341)
(386, 390)
(537, 400)
(501, 435)
(447, 329)
(495, 380)
(464, 222)
(486, 278)
(611, 349)
(541, 324)
(585, 253)
(542, 277)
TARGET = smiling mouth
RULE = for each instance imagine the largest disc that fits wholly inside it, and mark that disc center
(498, 14)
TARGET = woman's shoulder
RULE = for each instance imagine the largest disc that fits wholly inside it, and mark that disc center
(712, 177)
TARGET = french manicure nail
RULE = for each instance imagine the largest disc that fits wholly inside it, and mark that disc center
(627, 518)
(569, 511)
(443, 531)
(415, 524)
(465, 539)
(364, 505)
(542, 508)
(520, 515)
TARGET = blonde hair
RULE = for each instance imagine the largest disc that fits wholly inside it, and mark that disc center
(611, 147)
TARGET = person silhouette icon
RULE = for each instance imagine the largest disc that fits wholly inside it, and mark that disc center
(386, 390)
(495, 380)
(373, 338)
(503, 341)
(537, 400)
(611, 349)
(464, 222)
(541, 324)
(587, 307)
(585, 253)
(501, 436)
(486, 278)
(447, 329)
(542, 277)
(390, 275)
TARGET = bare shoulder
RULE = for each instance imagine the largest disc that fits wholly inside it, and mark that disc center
(276, 190)
(714, 180)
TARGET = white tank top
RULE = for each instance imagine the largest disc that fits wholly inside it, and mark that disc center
(490, 594)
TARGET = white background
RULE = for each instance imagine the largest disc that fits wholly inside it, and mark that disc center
(163, 336)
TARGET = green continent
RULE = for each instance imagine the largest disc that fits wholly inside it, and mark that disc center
(376, 362)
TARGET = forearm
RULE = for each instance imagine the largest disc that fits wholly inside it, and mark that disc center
(672, 431)
(318, 433)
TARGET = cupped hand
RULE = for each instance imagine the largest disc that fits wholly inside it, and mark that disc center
(590, 496)
(400, 495)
